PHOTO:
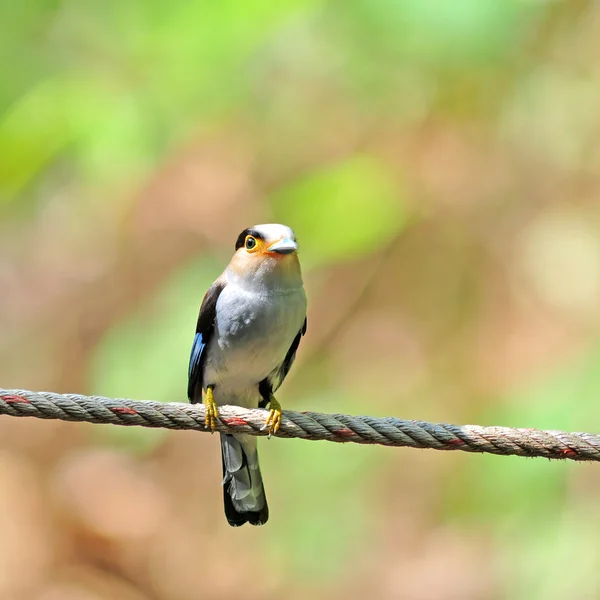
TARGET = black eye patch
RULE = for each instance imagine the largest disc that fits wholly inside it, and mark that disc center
(242, 237)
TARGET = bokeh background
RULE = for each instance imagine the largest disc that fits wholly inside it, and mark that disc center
(440, 163)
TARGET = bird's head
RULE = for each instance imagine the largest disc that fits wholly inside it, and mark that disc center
(268, 253)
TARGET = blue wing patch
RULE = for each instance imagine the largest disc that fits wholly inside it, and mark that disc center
(204, 331)
(197, 349)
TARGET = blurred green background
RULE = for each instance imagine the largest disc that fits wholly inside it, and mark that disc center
(440, 163)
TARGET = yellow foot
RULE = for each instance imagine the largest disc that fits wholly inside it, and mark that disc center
(212, 412)
(274, 421)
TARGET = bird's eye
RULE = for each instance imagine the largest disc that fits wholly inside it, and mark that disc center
(250, 243)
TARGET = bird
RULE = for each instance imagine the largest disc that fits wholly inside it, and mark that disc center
(251, 322)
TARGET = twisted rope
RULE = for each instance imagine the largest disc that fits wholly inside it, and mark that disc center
(388, 431)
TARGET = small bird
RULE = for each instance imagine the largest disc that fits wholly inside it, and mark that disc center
(249, 328)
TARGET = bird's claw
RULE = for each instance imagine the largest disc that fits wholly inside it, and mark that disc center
(273, 422)
(212, 412)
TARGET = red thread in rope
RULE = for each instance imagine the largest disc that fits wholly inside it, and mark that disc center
(344, 432)
(568, 452)
(235, 421)
(123, 410)
(15, 399)
(456, 442)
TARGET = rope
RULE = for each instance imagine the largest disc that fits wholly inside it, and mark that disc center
(388, 431)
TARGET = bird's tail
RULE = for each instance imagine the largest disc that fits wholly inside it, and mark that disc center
(243, 491)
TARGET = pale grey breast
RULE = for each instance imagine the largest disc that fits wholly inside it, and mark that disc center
(253, 333)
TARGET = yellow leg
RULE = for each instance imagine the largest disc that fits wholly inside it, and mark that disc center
(212, 412)
(274, 420)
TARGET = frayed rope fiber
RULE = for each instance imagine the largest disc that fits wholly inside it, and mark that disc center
(388, 431)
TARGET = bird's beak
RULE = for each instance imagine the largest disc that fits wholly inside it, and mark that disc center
(283, 246)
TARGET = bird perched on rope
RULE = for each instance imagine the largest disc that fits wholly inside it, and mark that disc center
(249, 328)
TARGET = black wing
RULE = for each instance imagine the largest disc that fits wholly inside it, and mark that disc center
(271, 384)
(204, 331)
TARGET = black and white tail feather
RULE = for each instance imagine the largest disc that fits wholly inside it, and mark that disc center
(243, 490)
